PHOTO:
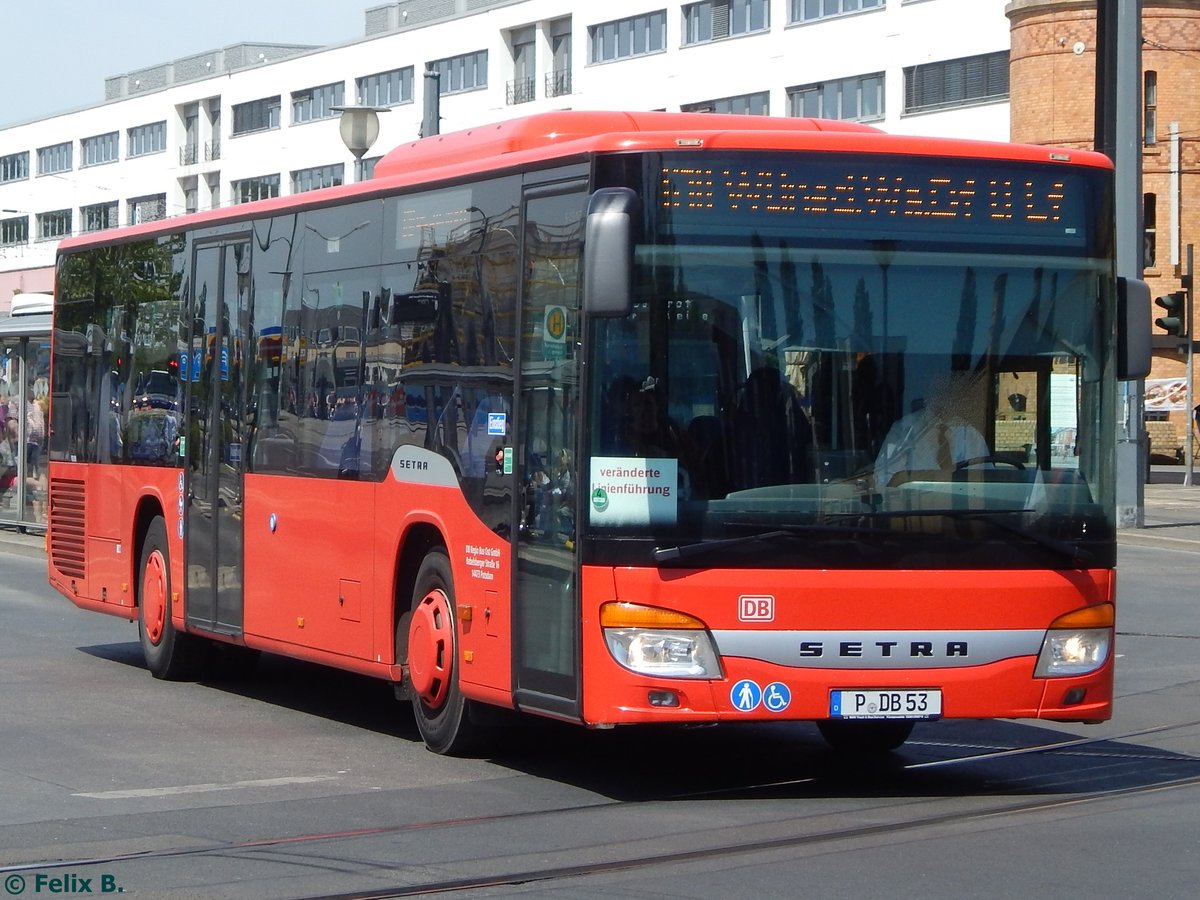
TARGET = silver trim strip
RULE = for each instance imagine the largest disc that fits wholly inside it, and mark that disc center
(416, 465)
(880, 649)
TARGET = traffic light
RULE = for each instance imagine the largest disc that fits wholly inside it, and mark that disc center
(1174, 322)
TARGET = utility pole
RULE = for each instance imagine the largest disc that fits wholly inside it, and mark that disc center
(1118, 135)
(1186, 281)
(431, 119)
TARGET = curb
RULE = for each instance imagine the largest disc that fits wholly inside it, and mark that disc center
(13, 541)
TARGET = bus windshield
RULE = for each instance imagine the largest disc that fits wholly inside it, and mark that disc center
(796, 386)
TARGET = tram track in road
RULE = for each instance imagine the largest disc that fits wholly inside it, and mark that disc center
(758, 846)
(626, 853)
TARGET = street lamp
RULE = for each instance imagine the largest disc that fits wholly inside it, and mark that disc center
(359, 127)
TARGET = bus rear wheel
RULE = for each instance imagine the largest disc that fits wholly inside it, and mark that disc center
(865, 737)
(169, 654)
(441, 711)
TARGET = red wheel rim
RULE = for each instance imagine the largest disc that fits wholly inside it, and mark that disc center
(154, 596)
(430, 639)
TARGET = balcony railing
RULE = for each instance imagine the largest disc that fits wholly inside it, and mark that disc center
(212, 150)
(188, 154)
(558, 83)
(520, 91)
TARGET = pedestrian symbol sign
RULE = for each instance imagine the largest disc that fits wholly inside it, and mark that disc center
(746, 695)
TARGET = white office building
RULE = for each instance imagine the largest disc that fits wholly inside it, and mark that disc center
(259, 120)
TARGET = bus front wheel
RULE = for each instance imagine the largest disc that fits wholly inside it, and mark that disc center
(442, 713)
(169, 654)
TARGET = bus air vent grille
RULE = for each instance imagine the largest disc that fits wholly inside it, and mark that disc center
(67, 526)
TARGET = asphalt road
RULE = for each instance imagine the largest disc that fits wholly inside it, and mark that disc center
(305, 782)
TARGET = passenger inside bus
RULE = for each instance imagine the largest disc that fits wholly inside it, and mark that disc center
(772, 435)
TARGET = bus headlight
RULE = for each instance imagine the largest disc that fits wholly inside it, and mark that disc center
(1077, 643)
(653, 641)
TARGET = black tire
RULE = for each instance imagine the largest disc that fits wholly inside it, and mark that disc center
(864, 737)
(432, 664)
(169, 654)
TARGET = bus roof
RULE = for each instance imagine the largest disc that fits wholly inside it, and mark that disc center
(575, 134)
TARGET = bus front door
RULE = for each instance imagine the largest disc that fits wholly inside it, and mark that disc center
(216, 419)
(546, 610)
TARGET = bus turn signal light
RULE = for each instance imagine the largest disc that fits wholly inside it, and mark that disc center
(1102, 615)
(635, 615)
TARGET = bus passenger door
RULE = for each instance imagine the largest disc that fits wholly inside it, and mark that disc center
(216, 417)
(546, 612)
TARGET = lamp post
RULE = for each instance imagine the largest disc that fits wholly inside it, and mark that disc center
(359, 127)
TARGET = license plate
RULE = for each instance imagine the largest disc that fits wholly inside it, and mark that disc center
(885, 704)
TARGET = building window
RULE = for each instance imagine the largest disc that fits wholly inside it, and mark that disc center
(56, 158)
(99, 217)
(523, 87)
(315, 103)
(367, 168)
(385, 88)
(147, 209)
(956, 82)
(1149, 230)
(858, 99)
(635, 36)
(212, 147)
(1150, 112)
(713, 19)
(461, 73)
(99, 149)
(14, 167)
(318, 177)
(747, 104)
(249, 189)
(189, 152)
(558, 79)
(257, 115)
(53, 225)
(811, 10)
(14, 232)
(146, 139)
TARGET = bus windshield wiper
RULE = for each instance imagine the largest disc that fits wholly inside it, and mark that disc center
(1067, 549)
(665, 554)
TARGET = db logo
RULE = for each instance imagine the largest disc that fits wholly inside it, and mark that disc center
(756, 608)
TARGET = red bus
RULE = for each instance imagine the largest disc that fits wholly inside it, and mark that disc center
(620, 418)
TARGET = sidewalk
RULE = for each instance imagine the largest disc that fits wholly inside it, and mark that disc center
(1171, 511)
(1171, 514)
(13, 541)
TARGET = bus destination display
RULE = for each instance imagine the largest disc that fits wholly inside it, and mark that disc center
(904, 198)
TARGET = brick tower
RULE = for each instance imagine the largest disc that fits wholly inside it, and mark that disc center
(1052, 96)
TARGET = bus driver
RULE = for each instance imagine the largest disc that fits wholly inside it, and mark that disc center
(935, 436)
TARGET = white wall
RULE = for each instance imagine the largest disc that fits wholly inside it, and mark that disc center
(903, 34)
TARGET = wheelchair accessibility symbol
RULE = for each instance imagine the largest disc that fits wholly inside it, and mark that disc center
(746, 696)
(776, 696)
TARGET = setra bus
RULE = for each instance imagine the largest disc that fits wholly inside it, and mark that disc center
(618, 418)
